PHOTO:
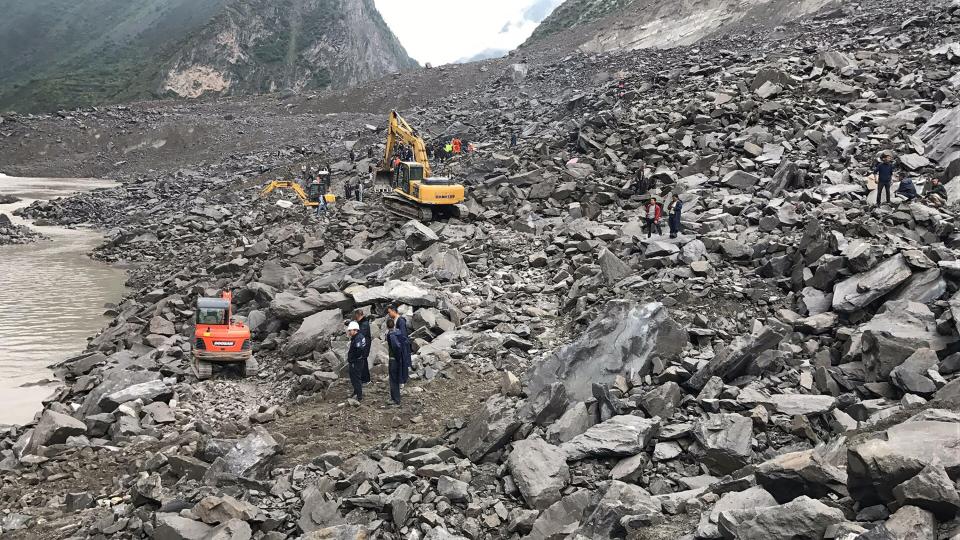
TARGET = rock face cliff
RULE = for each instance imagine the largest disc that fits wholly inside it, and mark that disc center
(55, 53)
(615, 25)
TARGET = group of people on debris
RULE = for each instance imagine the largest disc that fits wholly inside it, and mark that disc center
(398, 346)
(884, 171)
(653, 209)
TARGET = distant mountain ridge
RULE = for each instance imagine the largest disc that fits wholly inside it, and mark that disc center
(63, 53)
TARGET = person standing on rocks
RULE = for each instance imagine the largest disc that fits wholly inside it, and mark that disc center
(652, 213)
(883, 175)
(673, 220)
(358, 344)
(513, 140)
(364, 324)
(395, 348)
(405, 356)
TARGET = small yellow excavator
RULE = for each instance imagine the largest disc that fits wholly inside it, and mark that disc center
(417, 194)
(307, 200)
(310, 198)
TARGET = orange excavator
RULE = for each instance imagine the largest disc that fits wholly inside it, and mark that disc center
(218, 339)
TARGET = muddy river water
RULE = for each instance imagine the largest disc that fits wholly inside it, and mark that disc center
(52, 297)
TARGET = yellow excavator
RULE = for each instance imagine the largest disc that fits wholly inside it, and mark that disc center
(417, 194)
(311, 199)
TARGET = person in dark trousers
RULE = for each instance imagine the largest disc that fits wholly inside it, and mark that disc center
(358, 344)
(907, 189)
(364, 325)
(395, 346)
(936, 194)
(883, 175)
(652, 212)
(406, 356)
(513, 140)
(675, 209)
(640, 183)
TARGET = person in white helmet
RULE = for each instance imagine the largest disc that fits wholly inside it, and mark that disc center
(355, 359)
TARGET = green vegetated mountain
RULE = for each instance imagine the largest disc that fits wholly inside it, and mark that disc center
(67, 53)
(598, 26)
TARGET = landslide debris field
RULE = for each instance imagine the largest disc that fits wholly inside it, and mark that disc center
(788, 367)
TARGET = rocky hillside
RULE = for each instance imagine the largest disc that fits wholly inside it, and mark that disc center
(56, 54)
(612, 25)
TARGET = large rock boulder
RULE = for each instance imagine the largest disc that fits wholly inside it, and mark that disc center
(253, 455)
(114, 380)
(417, 235)
(624, 340)
(489, 428)
(816, 473)
(724, 441)
(169, 526)
(314, 328)
(540, 471)
(931, 490)
(893, 335)
(53, 428)
(802, 518)
(562, 518)
(738, 356)
(861, 290)
(876, 466)
(618, 502)
(623, 435)
(395, 291)
(148, 392)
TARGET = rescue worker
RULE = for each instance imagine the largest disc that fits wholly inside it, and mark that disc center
(640, 185)
(673, 220)
(404, 337)
(513, 140)
(652, 213)
(883, 175)
(395, 348)
(348, 189)
(359, 190)
(456, 146)
(447, 151)
(358, 344)
(364, 324)
(937, 194)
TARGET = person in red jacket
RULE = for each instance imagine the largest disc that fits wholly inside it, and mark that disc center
(652, 213)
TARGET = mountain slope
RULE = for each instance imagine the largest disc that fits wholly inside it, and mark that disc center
(598, 26)
(57, 53)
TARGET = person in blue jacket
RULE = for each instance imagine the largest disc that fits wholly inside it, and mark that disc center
(395, 346)
(404, 336)
(355, 359)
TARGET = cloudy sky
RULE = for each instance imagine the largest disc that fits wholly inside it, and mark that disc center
(444, 31)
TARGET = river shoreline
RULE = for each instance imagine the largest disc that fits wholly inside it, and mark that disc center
(38, 327)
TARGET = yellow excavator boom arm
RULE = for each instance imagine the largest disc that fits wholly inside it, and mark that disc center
(400, 131)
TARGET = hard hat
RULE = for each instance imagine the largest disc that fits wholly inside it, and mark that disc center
(353, 326)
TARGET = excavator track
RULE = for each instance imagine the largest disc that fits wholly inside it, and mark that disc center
(203, 370)
(251, 367)
(407, 209)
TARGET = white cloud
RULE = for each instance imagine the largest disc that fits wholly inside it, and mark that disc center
(444, 31)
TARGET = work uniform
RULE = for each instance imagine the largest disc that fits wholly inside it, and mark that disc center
(395, 346)
(365, 368)
(406, 361)
(358, 344)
